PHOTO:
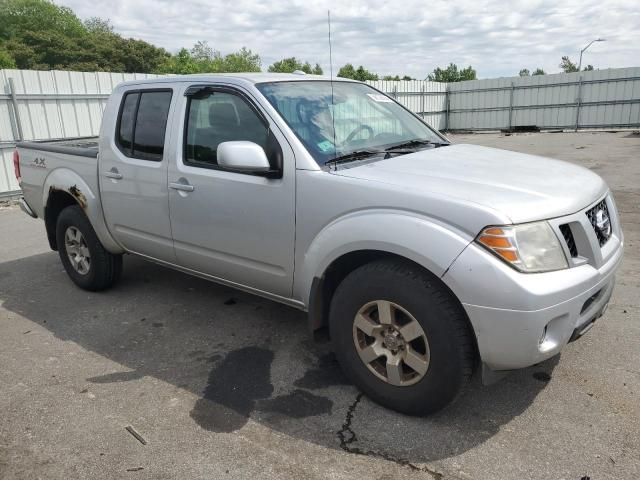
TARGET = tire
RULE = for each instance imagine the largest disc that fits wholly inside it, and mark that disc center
(443, 354)
(76, 239)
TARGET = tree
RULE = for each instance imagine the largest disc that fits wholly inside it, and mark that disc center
(204, 59)
(181, 63)
(397, 78)
(567, 65)
(6, 60)
(201, 51)
(360, 73)
(19, 16)
(291, 64)
(38, 34)
(452, 74)
(525, 72)
(244, 60)
(98, 25)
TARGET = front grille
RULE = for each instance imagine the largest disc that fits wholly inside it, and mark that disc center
(603, 234)
(568, 238)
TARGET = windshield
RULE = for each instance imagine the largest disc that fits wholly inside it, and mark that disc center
(364, 119)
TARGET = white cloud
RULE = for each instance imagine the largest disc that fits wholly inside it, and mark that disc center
(408, 37)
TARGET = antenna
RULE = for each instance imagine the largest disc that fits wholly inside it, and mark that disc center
(333, 106)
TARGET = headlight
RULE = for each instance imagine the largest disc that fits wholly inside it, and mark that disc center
(530, 247)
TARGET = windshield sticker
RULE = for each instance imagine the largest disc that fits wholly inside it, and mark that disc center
(378, 97)
(325, 146)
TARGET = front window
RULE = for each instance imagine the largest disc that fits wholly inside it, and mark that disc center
(349, 118)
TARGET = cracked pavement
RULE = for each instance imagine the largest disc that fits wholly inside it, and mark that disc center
(221, 384)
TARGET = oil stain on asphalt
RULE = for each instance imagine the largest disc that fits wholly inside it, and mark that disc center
(240, 384)
(234, 384)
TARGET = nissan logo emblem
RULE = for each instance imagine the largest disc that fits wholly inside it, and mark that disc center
(603, 223)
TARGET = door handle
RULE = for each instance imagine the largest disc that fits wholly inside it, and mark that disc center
(113, 174)
(183, 187)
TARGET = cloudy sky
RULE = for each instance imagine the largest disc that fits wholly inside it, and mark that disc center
(497, 38)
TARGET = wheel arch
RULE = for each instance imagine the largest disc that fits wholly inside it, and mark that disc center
(324, 286)
(63, 188)
(57, 201)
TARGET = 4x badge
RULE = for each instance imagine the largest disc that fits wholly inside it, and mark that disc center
(39, 162)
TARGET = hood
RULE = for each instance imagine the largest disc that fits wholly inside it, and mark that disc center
(523, 187)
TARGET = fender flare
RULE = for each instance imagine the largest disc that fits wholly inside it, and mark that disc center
(68, 181)
(425, 241)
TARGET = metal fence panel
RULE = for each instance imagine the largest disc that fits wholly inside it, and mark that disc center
(51, 104)
(427, 99)
(597, 99)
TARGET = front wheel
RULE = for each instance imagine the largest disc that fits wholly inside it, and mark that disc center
(401, 337)
(85, 259)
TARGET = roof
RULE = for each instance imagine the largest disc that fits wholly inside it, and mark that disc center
(250, 77)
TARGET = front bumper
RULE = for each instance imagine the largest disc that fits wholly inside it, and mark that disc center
(522, 319)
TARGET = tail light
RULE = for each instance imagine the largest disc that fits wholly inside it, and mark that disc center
(16, 165)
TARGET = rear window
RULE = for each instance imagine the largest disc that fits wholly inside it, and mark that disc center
(143, 123)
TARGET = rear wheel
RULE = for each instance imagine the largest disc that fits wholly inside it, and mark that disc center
(401, 337)
(85, 259)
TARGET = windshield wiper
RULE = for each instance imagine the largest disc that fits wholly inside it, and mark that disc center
(356, 155)
(414, 143)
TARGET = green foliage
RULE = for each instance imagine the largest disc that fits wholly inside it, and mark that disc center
(397, 78)
(6, 60)
(567, 65)
(452, 74)
(20, 16)
(360, 73)
(40, 35)
(244, 60)
(291, 64)
(98, 25)
(525, 72)
(204, 59)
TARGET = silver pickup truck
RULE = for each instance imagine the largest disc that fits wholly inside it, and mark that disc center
(423, 259)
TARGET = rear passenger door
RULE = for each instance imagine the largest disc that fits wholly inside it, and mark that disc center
(238, 227)
(133, 175)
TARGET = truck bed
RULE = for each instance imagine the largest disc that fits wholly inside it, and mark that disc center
(80, 146)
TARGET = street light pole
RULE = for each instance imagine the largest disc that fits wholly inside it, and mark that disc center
(585, 48)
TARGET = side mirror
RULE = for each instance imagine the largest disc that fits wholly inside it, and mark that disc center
(243, 156)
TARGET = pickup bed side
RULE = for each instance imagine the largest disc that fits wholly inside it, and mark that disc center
(57, 174)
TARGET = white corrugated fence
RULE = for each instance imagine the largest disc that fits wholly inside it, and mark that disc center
(61, 104)
(50, 104)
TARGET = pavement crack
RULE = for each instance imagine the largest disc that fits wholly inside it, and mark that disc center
(347, 437)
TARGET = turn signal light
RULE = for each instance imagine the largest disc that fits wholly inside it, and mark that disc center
(501, 242)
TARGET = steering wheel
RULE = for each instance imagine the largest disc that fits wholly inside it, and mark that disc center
(357, 130)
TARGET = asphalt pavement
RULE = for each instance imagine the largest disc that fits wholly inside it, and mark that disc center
(218, 384)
